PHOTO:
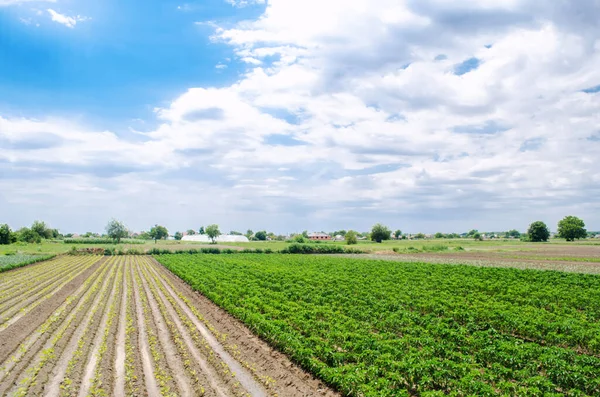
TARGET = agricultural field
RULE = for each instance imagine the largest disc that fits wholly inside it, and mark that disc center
(12, 261)
(387, 328)
(124, 326)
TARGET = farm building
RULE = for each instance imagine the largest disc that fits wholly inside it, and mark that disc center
(224, 238)
(319, 236)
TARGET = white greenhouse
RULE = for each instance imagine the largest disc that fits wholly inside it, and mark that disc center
(224, 238)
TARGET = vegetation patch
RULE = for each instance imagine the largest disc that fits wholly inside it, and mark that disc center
(380, 328)
(13, 261)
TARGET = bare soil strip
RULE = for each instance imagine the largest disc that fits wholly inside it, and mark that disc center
(275, 370)
(11, 337)
(150, 381)
(64, 314)
(123, 326)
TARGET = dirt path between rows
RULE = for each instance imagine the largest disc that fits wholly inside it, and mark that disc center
(11, 337)
(289, 379)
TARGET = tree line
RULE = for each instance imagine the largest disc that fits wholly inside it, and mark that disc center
(570, 228)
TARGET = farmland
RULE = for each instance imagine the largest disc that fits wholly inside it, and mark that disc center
(9, 262)
(383, 328)
(122, 325)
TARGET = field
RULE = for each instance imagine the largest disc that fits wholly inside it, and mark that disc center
(384, 328)
(123, 325)
(9, 262)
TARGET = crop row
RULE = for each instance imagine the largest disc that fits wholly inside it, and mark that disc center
(377, 328)
(125, 330)
(9, 262)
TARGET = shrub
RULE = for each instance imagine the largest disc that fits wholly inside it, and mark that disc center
(351, 238)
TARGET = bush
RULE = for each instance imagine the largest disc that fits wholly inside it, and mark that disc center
(318, 249)
(351, 238)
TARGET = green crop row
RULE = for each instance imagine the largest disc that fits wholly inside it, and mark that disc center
(9, 262)
(379, 328)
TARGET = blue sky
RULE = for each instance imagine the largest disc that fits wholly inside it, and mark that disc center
(429, 115)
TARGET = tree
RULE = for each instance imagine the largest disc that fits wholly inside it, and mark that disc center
(439, 235)
(261, 235)
(178, 235)
(477, 236)
(305, 234)
(351, 237)
(201, 230)
(249, 234)
(397, 234)
(6, 235)
(571, 228)
(41, 229)
(380, 233)
(235, 233)
(159, 233)
(538, 231)
(419, 236)
(513, 233)
(116, 230)
(190, 232)
(28, 236)
(472, 232)
(213, 232)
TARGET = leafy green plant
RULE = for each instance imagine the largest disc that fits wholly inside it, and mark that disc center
(378, 328)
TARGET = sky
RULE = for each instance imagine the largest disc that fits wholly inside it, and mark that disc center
(291, 115)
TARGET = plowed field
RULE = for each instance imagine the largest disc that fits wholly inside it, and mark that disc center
(117, 326)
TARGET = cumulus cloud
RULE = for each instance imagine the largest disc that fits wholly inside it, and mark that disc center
(347, 114)
(66, 20)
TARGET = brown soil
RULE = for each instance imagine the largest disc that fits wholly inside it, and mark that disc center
(520, 259)
(12, 336)
(177, 342)
(290, 380)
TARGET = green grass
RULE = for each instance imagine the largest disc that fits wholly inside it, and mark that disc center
(379, 328)
(9, 262)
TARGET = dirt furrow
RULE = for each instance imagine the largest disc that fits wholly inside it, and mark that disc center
(119, 362)
(21, 309)
(162, 367)
(274, 369)
(63, 314)
(69, 345)
(245, 378)
(22, 274)
(97, 344)
(17, 286)
(102, 383)
(166, 341)
(143, 345)
(216, 384)
(42, 352)
(11, 337)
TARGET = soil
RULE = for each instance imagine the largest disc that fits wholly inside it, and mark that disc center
(290, 380)
(179, 342)
(546, 258)
(11, 337)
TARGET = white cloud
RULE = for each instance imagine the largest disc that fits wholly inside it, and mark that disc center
(344, 117)
(68, 21)
(17, 2)
(244, 3)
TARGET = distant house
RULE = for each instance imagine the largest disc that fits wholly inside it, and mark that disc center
(319, 236)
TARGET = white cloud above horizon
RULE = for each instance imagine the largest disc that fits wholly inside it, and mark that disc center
(348, 113)
(68, 21)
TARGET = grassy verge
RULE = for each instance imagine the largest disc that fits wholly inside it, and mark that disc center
(9, 262)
